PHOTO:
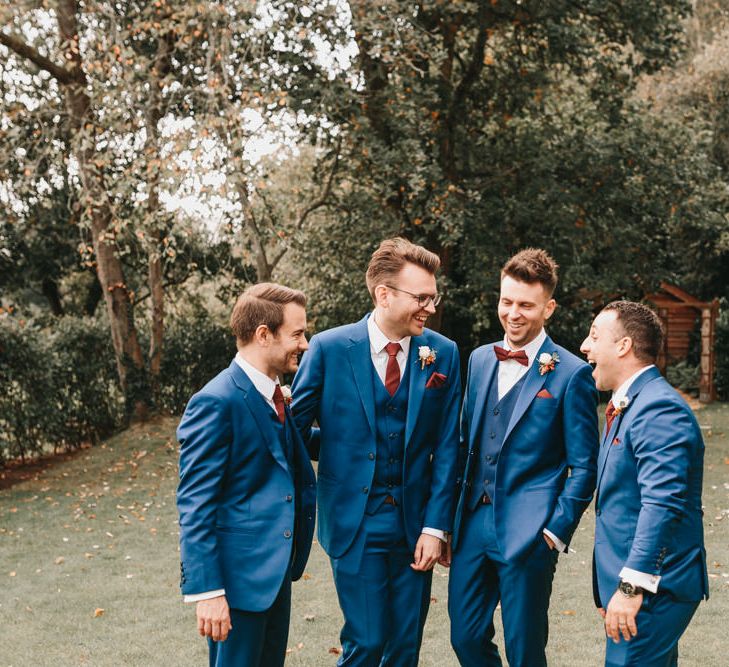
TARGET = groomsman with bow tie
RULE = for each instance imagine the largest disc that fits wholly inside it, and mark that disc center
(247, 494)
(529, 434)
(385, 392)
(649, 562)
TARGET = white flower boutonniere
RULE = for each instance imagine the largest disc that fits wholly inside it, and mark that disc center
(547, 362)
(286, 391)
(622, 405)
(426, 356)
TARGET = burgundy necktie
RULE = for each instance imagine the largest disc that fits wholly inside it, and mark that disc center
(503, 354)
(610, 413)
(392, 374)
(278, 401)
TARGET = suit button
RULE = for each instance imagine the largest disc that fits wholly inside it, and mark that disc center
(598, 512)
(392, 408)
(470, 453)
(288, 499)
(496, 411)
(389, 486)
(287, 533)
(392, 436)
(488, 459)
(391, 460)
(493, 435)
(365, 489)
(371, 456)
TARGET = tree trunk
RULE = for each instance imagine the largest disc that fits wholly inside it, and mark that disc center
(50, 291)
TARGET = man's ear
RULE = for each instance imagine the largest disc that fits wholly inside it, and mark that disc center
(625, 345)
(550, 308)
(381, 296)
(262, 335)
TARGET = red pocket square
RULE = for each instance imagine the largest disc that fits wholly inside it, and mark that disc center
(616, 441)
(544, 394)
(436, 380)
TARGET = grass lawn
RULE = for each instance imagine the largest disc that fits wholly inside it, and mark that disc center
(89, 569)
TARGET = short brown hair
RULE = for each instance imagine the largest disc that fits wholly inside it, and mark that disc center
(641, 324)
(533, 265)
(392, 255)
(262, 304)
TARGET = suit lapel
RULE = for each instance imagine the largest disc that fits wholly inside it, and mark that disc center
(416, 390)
(482, 378)
(533, 383)
(360, 359)
(640, 382)
(260, 410)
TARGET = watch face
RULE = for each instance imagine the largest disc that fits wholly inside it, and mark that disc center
(626, 588)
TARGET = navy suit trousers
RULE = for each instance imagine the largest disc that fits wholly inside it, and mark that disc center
(480, 578)
(384, 601)
(258, 639)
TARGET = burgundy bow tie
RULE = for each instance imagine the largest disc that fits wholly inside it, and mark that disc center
(519, 355)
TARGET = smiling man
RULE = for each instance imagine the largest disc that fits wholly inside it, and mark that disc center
(529, 430)
(246, 496)
(649, 565)
(385, 393)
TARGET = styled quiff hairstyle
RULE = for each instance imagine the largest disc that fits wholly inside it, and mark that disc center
(641, 324)
(262, 304)
(392, 255)
(533, 265)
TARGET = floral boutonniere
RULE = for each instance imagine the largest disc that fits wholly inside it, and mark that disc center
(426, 356)
(621, 405)
(286, 391)
(547, 362)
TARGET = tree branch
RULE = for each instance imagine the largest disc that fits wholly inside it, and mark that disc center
(23, 49)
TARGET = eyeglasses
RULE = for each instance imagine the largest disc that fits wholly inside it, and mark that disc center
(423, 299)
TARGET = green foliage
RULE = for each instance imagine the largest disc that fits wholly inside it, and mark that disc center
(59, 387)
(721, 377)
(196, 349)
(685, 376)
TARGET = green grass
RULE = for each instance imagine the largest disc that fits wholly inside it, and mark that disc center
(99, 531)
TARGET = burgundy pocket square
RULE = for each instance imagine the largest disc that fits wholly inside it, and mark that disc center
(544, 394)
(436, 380)
(616, 441)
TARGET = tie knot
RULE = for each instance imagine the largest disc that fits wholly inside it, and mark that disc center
(392, 349)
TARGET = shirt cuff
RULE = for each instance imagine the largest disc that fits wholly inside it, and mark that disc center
(440, 534)
(209, 595)
(649, 582)
(559, 545)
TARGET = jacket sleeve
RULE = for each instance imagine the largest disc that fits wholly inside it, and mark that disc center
(205, 435)
(441, 504)
(662, 441)
(581, 442)
(306, 392)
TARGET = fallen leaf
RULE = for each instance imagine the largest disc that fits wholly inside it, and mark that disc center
(335, 651)
(307, 617)
(98, 612)
(306, 576)
(12, 574)
(568, 612)
(59, 560)
(432, 599)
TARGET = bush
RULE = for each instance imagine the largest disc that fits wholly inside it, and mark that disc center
(721, 349)
(58, 388)
(195, 349)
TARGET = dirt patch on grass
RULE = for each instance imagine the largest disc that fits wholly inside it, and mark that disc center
(18, 471)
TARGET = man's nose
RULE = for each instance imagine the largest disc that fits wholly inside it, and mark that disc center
(585, 347)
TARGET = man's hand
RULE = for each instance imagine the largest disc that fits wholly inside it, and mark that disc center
(446, 554)
(213, 618)
(620, 616)
(549, 541)
(427, 552)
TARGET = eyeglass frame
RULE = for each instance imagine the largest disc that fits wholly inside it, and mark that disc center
(423, 299)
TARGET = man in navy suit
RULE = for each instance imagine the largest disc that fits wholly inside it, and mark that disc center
(529, 435)
(385, 393)
(246, 496)
(649, 563)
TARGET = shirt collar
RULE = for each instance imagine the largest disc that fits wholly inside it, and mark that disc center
(622, 391)
(531, 348)
(378, 340)
(264, 384)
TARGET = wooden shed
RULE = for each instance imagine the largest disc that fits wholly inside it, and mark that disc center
(682, 314)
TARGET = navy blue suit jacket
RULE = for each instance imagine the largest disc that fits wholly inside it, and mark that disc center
(648, 502)
(545, 474)
(334, 386)
(242, 509)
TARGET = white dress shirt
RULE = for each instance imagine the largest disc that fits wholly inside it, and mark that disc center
(510, 372)
(378, 341)
(647, 581)
(265, 386)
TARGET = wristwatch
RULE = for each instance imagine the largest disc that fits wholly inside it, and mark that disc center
(628, 590)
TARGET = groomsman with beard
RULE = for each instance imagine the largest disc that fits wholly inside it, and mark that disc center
(529, 432)
(649, 562)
